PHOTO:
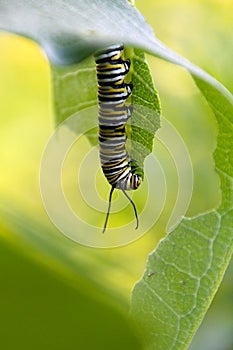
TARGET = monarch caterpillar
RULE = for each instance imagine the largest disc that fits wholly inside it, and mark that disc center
(113, 114)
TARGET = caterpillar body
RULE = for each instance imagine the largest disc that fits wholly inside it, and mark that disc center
(113, 114)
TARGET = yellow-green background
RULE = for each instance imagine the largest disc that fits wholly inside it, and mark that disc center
(199, 30)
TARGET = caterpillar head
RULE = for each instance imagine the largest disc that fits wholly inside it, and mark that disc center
(130, 182)
(136, 181)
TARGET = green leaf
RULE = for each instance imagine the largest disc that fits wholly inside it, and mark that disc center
(145, 119)
(75, 89)
(184, 272)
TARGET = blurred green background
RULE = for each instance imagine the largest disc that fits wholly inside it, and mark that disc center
(55, 293)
